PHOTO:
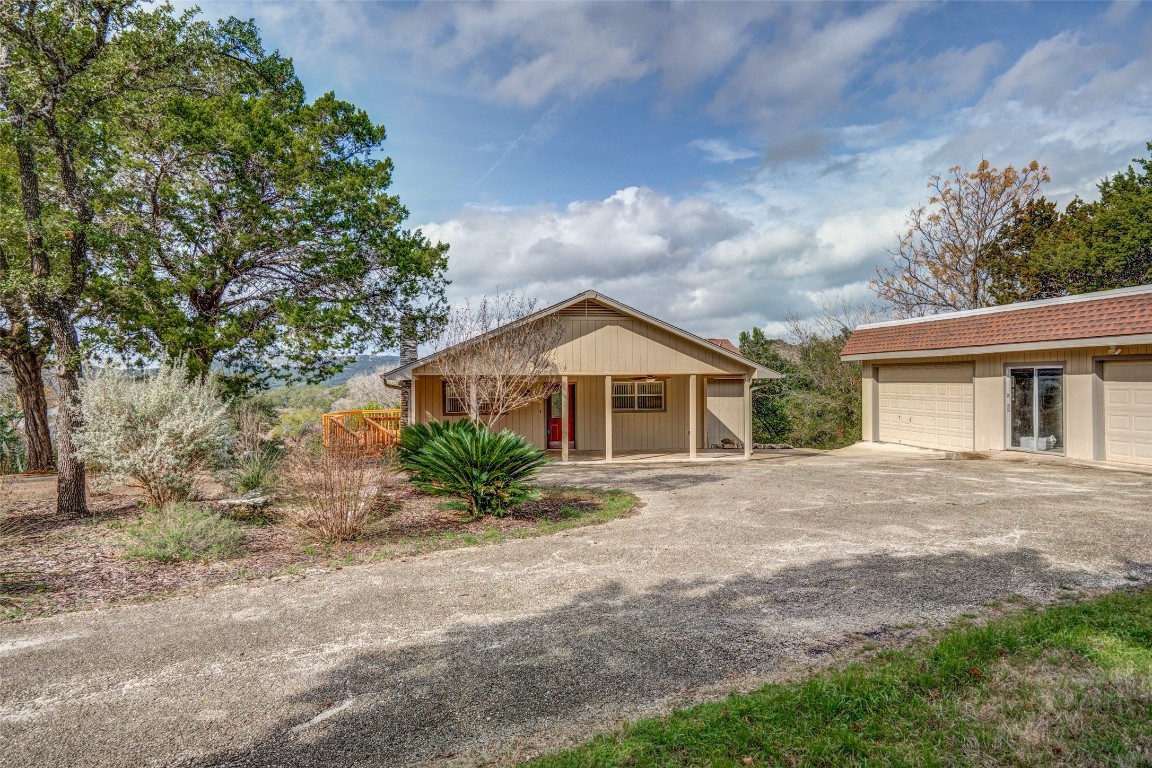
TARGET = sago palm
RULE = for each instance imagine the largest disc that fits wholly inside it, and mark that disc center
(487, 469)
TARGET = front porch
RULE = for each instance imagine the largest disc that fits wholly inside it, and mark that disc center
(673, 456)
(623, 417)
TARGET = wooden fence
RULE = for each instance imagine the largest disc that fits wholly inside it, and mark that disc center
(364, 432)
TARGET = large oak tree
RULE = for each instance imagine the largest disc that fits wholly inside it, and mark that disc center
(260, 238)
(179, 198)
(70, 70)
(1089, 246)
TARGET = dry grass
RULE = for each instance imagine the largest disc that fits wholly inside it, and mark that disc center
(76, 563)
(1061, 709)
(334, 495)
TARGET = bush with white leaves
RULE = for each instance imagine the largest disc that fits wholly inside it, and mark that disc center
(156, 432)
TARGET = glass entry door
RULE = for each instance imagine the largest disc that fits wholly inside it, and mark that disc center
(1036, 409)
(554, 408)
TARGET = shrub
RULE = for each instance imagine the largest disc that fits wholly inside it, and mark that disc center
(414, 437)
(335, 493)
(255, 471)
(368, 391)
(183, 532)
(156, 432)
(253, 420)
(489, 470)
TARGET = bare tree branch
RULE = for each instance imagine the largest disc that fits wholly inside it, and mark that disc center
(941, 262)
(497, 356)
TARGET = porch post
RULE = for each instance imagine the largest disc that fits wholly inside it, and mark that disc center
(607, 419)
(693, 438)
(564, 419)
(748, 417)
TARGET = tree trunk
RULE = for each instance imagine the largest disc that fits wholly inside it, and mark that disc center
(45, 297)
(30, 390)
(71, 490)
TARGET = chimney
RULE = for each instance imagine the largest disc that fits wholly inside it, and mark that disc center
(407, 356)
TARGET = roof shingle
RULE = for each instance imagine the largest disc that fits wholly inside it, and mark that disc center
(1125, 315)
(725, 344)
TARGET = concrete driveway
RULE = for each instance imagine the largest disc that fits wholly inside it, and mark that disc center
(731, 575)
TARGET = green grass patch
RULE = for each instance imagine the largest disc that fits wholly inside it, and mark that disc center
(551, 510)
(1068, 685)
(183, 532)
(613, 504)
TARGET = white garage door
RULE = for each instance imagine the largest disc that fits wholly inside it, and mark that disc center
(926, 405)
(1128, 411)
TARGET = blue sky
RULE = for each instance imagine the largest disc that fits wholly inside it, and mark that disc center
(719, 165)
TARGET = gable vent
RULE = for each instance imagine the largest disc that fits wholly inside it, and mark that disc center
(589, 308)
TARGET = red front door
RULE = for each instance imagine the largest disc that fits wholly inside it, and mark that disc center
(555, 428)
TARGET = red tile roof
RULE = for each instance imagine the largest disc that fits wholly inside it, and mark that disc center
(726, 344)
(1109, 314)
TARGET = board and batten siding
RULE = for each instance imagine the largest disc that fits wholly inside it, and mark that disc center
(631, 346)
(528, 421)
(1082, 437)
(641, 430)
(599, 341)
(725, 411)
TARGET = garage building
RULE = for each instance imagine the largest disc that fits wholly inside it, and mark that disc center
(1070, 376)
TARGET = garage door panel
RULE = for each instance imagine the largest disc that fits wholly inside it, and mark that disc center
(928, 406)
(1128, 411)
(1118, 397)
(926, 374)
(1130, 450)
(1118, 423)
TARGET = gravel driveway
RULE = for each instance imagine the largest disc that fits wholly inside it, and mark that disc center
(732, 574)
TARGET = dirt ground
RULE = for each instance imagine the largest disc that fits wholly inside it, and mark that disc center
(730, 576)
(55, 564)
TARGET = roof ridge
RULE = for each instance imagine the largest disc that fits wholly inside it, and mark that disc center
(604, 300)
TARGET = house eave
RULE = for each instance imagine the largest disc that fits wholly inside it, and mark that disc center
(994, 349)
(754, 369)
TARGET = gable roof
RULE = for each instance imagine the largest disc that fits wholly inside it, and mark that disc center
(1105, 317)
(584, 300)
(726, 344)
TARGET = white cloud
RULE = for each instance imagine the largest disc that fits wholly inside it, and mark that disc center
(1079, 107)
(515, 53)
(922, 84)
(721, 151)
(807, 69)
(772, 61)
(699, 262)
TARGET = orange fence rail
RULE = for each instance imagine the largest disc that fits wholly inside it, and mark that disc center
(366, 432)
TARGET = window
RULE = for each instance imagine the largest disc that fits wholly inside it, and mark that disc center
(455, 406)
(638, 396)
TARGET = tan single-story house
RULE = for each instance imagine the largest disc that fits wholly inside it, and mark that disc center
(1069, 376)
(629, 383)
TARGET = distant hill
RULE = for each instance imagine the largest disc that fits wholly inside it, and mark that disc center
(362, 364)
